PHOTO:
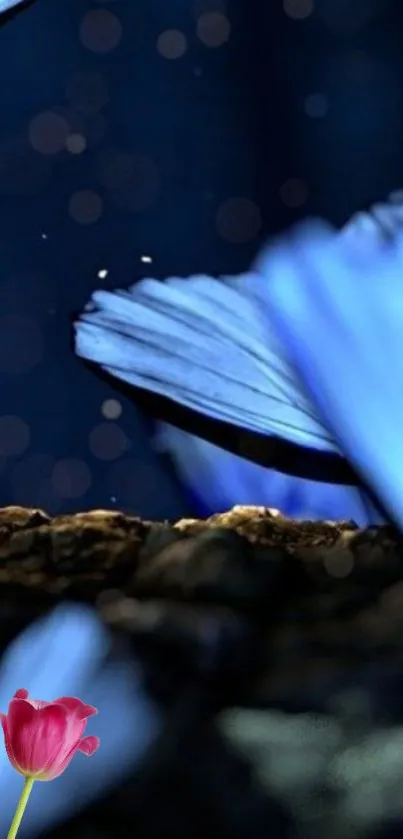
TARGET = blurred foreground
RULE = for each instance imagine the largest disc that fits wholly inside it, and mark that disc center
(247, 672)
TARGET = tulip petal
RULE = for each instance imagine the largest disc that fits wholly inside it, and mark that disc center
(21, 693)
(75, 705)
(10, 753)
(88, 745)
(38, 737)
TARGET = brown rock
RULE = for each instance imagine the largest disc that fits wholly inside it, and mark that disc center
(327, 596)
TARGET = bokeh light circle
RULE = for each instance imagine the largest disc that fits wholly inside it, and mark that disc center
(107, 441)
(132, 179)
(21, 344)
(88, 92)
(100, 31)
(172, 44)
(76, 143)
(71, 477)
(48, 132)
(239, 220)
(31, 485)
(316, 105)
(85, 206)
(294, 192)
(14, 436)
(213, 29)
(111, 409)
(299, 9)
(22, 170)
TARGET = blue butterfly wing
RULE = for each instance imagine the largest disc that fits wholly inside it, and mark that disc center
(10, 8)
(214, 346)
(217, 480)
(338, 307)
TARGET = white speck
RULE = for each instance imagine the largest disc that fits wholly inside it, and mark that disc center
(44, 235)
(103, 273)
(146, 258)
(113, 499)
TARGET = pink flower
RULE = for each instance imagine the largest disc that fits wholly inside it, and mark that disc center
(41, 738)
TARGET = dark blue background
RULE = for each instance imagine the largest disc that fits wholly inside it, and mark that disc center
(295, 113)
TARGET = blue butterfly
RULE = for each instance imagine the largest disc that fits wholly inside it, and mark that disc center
(10, 8)
(292, 366)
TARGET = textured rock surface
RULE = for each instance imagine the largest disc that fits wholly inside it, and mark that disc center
(327, 597)
(260, 638)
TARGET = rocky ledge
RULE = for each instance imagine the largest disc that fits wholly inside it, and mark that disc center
(272, 649)
(324, 599)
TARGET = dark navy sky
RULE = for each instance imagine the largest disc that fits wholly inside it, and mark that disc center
(152, 137)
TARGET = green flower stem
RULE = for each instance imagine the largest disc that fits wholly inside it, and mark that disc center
(26, 792)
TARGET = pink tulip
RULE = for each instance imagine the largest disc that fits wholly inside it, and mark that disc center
(41, 738)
